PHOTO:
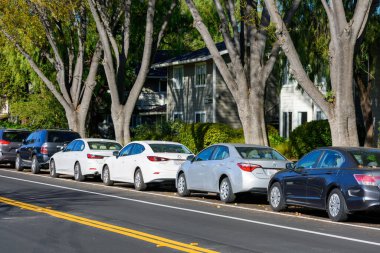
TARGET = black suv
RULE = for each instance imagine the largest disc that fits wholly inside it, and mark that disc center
(10, 141)
(40, 146)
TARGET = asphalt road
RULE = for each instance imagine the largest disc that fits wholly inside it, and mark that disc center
(43, 214)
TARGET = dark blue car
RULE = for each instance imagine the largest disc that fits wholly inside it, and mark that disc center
(339, 180)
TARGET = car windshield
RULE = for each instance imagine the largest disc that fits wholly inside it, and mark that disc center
(102, 145)
(169, 148)
(62, 137)
(259, 153)
(367, 157)
(15, 136)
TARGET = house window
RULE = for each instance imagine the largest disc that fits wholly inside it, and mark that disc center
(302, 118)
(287, 119)
(200, 75)
(178, 116)
(319, 115)
(200, 117)
(178, 77)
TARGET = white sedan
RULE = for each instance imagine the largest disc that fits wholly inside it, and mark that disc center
(144, 162)
(228, 169)
(82, 157)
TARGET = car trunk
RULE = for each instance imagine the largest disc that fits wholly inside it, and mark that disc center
(175, 159)
(268, 167)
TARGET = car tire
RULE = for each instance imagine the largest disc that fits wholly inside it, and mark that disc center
(336, 206)
(78, 176)
(276, 198)
(18, 164)
(53, 170)
(35, 167)
(106, 176)
(225, 191)
(139, 183)
(182, 186)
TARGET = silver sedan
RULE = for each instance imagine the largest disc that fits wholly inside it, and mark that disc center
(228, 169)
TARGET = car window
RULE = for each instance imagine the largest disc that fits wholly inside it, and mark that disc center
(310, 160)
(79, 146)
(15, 136)
(205, 154)
(259, 153)
(366, 157)
(137, 149)
(30, 139)
(62, 136)
(71, 146)
(103, 145)
(169, 148)
(331, 159)
(126, 150)
(220, 153)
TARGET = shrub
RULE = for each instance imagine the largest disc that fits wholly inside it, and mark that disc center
(309, 136)
(274, 136)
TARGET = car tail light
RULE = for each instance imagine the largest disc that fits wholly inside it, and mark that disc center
(157, 159)
(44, 150)
(91, 156)
(249, 167)
(4, 142)
(363, 179)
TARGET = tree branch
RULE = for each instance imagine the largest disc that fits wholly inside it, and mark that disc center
(360, 18)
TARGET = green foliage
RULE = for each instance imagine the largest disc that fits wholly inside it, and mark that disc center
(274, 136)
(10, 125)
(309, 136)
(39, 111)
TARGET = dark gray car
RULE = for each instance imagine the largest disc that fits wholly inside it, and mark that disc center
(10, 141)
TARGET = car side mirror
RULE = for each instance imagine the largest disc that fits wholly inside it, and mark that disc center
(23, 142)
(290, 166)
(190, 158)
(115, 153)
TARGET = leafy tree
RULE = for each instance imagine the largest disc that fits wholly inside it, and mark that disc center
(245, 26)
(340, 108)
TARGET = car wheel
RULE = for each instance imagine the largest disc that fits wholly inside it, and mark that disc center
(139, 181)
(276, 198)
(336, 206)
(106, 176)
(18, 165)
(35, 165)
(182, 186)
(226, 193)
(78, 173)
(53, 171)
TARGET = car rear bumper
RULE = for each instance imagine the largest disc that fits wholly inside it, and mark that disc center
(363, 198)
(7, 157)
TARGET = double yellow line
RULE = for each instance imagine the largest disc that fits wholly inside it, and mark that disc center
(159, 241)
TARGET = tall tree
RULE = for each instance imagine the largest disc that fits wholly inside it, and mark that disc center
(65, 26)
(340, 107)
(245, 29)
(117, 54)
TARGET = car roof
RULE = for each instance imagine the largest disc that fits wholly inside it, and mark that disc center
(348, 148)
(97, 139)
(242, 145)
(155, 142)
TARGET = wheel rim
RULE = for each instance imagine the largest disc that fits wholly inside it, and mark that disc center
(34, 164)
(181, 184)
(52, 166)
(334, 205)
(275, 197)
(106, 175)
(224, 190)
(76, 171)
(137, 179)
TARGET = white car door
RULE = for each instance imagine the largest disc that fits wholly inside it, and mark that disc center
(62, 164)
(214, 168)
(119, 171)
(76, 156)
(135, 159)
(196, 172)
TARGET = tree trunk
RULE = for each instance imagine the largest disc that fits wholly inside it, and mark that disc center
(342, 119)
(118, 119)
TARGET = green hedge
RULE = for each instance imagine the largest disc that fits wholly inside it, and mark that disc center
(309, 136)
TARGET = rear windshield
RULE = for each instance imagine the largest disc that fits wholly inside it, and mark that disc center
(368, 157)
(169, 148)
(259, 153)
(101, 145)
(62, 137)
(15, 136)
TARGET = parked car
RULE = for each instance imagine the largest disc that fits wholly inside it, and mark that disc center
(145, 162)
(10, 141)
(40, 146)
(229, 169)
(82, 157)
(336, 179)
